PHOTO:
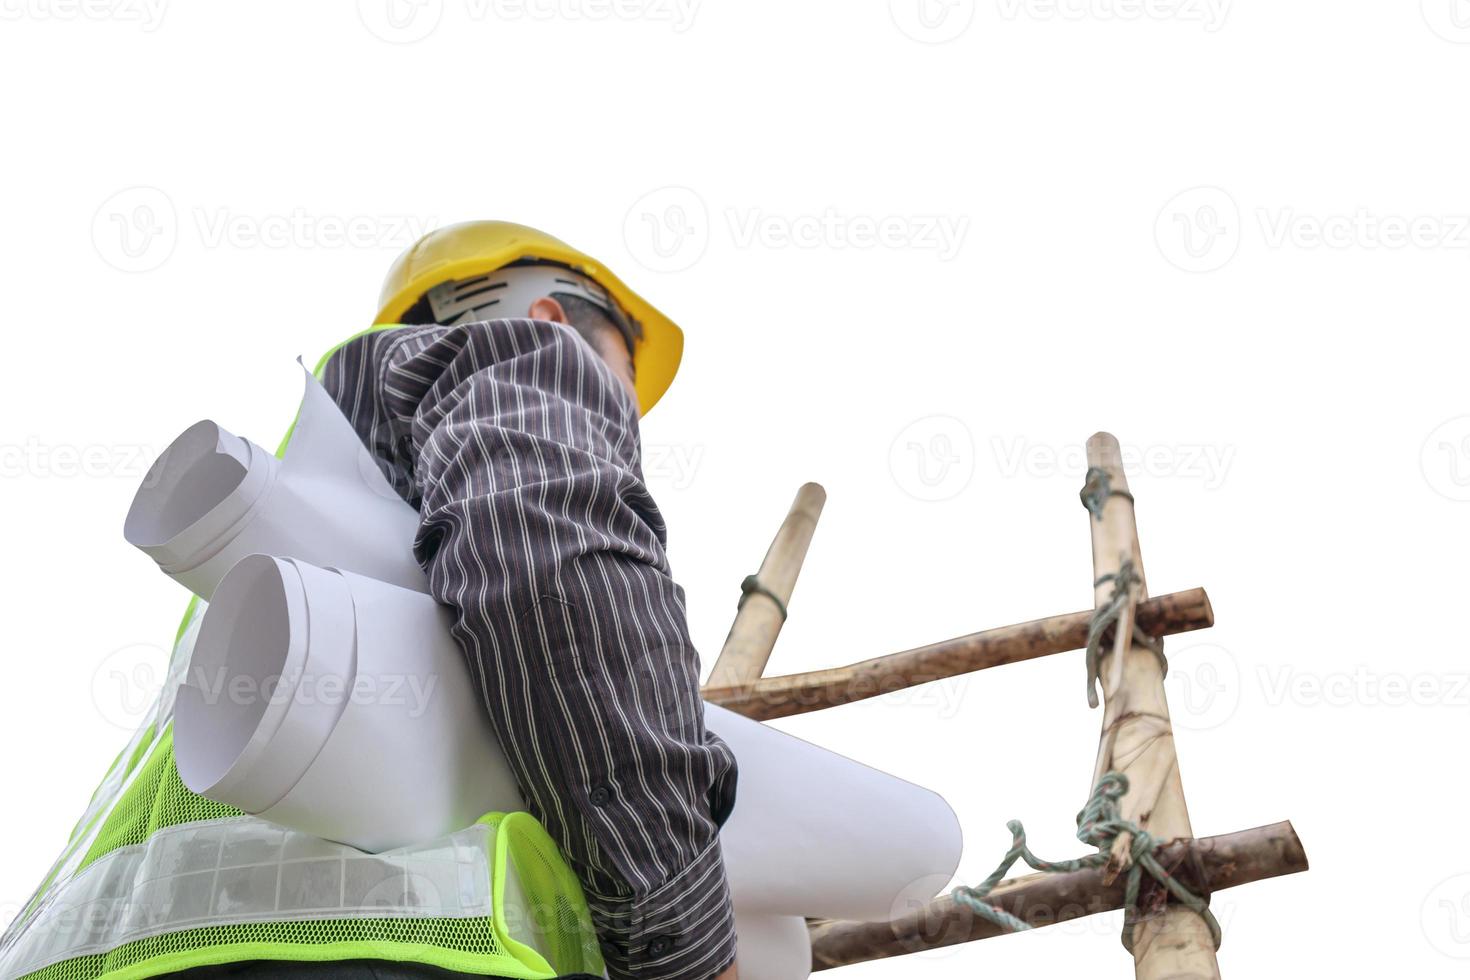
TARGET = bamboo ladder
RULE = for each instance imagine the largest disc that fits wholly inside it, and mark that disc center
(1171, 942)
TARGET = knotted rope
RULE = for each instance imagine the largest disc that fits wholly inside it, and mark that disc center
(1096, 491)
(1105, 616)
(1100, 823)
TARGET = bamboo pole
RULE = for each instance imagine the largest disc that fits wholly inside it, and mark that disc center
(763, 608)
(1047, 899)
(1137, 735)
(794, 694)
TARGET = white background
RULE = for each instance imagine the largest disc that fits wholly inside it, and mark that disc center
(1236, 235)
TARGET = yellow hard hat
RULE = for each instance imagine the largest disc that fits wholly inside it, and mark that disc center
(476, 248)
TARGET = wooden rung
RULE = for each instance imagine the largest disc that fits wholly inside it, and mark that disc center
(1047, 899)
(794, 694)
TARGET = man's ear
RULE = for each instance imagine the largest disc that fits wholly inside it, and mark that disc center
(547, 308)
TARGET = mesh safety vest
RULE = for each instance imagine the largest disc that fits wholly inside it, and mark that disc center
(156, 879)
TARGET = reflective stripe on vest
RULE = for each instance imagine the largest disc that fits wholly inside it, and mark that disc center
(241, 870)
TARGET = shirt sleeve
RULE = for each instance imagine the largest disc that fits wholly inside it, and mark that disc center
(521, 450)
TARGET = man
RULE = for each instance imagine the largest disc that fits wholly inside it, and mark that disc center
(518, 440)
(507, 412)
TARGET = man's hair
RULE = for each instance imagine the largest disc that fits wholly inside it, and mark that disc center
(585, 317)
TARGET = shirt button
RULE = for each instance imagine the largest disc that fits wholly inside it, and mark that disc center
(601, 796)
(660, 945)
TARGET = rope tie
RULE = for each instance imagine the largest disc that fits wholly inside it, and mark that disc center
(752, 585)
(1100, 823)
(1107, 615)
(1097, 488)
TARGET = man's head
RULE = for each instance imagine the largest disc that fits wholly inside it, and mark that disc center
(453, 262)
(541, 291)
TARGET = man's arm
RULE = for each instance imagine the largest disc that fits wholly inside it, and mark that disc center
(521, 450)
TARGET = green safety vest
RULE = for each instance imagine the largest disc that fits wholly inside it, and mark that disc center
(156, 879)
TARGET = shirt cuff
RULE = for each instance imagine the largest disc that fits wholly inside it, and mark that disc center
(683, 930)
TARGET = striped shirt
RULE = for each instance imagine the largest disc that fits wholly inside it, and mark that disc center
(521, 451)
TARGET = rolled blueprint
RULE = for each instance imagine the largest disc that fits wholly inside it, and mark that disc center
(338, 706)
(817, 834)
(266, 680)
(773, 947)
(212, 498)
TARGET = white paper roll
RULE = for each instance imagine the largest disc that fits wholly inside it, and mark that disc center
(267, 636)
(340, 706)
(773, 947)
(212, 498)
(378, 739)
(817, 834)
